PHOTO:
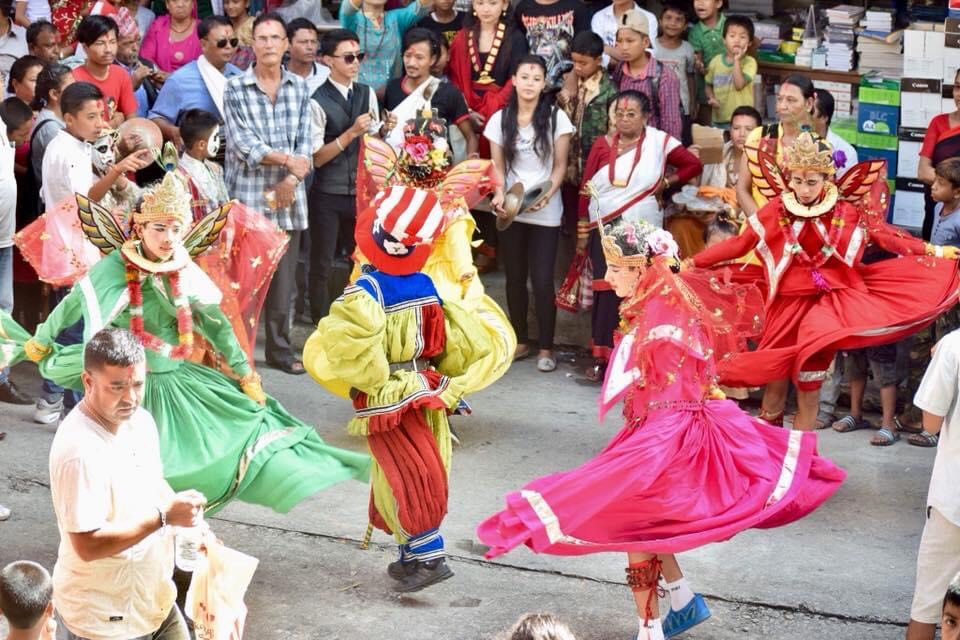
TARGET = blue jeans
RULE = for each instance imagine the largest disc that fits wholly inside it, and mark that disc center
(173, 628)
(73, 334)
(6, 291)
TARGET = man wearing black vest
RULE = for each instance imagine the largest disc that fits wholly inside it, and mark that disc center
(343, 111)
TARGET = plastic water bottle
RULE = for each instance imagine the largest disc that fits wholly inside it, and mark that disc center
(187, 544)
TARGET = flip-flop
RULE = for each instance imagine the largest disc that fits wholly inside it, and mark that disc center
(294, 367)
(906, 428)
(849, 423)
(888, 438)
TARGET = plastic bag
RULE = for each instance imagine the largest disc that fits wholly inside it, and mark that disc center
(215, 599)
(576, 292)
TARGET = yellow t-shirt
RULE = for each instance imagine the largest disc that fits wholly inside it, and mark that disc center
(720, 77)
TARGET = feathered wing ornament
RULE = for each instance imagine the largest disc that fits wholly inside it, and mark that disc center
(376, 170)
(167, 156)
(858, 180)
(99, 225)
(767, 177)
(467, 184)
(206, 231)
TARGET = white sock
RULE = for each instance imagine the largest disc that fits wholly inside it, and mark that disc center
(680, 593)
(653, 630)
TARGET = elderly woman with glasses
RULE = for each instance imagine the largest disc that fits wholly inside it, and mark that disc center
(620, 182)
(172, 40)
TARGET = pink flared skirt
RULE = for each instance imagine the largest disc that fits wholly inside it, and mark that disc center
(678, 480)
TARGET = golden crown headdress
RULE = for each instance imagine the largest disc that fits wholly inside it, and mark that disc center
(170, 200)
(810, 153)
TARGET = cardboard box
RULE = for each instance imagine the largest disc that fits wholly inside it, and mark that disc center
(933, 43)
(878, 118)
(880, 95)
(878, 141)
(920, 84)
(922, 67)
(951, 62)
(710, 141)
(908, 156)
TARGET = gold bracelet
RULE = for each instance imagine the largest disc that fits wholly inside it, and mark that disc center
(250, 377)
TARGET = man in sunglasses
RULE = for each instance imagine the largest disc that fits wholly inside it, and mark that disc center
(201, 83)
(343, 110)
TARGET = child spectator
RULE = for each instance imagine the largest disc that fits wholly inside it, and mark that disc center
(945, 191)
(589, 110)
(67, 167)
(677, 54)
(706, 38)
(724, 175)
(882, 361)
(550, 26)
(16, 118)
(937, 559)
(26, 601)
(444, 20)
(540, 626)
(46, 102)
(950, 619)
(606, 21)
(729, 77)
(200, 131)
(641, 72)
(380, 33)
(719, 230)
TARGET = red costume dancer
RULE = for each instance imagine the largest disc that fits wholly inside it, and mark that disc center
(820, 298)
(689, 467)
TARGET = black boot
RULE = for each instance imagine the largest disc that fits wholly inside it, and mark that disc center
(398, 570)
(424, 575)
(11, 395)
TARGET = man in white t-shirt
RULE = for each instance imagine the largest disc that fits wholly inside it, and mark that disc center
(938, 559)
(113, 577)
(844, 155)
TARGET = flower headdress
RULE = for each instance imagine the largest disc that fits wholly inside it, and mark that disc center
(809, 152)
(425, 156)
(632, 242)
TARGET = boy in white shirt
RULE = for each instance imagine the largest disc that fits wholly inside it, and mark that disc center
(938, 560)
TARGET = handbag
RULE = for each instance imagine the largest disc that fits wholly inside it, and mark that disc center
(576, 291)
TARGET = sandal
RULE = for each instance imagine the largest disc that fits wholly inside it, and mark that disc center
(884, 438)
(924, 439)
(546, 364)
(522, 352)
(293, 367)
(847, 424)
(904, 427)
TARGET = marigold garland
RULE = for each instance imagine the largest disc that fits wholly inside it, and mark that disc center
(149, 341)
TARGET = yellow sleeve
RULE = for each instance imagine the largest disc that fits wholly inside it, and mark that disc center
(466, 341)
(347, 349)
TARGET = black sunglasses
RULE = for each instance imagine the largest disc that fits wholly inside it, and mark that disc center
(350, 57)
(222, 43)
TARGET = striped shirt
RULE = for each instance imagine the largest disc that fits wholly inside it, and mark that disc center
(255, 127)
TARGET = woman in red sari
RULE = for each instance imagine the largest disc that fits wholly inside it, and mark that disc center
(483, 57)
(941, 142)
(820, 297)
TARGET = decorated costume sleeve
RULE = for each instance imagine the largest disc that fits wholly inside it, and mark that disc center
(466, 341)
(729, 249)
(348, 345)
(212, 323)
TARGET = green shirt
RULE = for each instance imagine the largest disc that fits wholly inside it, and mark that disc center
(708, 42)
(720, 77)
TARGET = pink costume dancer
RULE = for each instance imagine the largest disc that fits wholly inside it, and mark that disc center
(689, 467)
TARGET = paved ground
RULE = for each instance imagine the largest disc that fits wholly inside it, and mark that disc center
(846, 572)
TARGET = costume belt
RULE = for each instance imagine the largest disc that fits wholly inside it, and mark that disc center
(417, 364)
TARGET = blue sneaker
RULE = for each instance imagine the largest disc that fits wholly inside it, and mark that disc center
(676, 622)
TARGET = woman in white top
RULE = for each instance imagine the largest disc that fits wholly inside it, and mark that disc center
(529, 141)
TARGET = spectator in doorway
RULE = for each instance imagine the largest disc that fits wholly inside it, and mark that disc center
(113, 573)
(269, 145)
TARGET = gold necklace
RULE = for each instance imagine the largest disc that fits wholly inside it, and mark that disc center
(485, 71)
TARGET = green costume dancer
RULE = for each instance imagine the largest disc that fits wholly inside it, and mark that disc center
(219, 435)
